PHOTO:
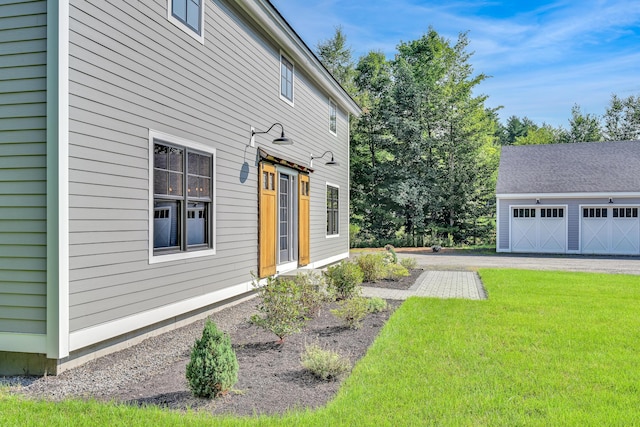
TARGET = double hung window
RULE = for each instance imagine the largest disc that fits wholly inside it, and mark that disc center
(286, 79)
(182, 198)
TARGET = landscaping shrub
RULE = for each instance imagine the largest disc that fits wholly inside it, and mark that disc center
(279, 303)
(213, 368)
(312, 294)
(372, 266)
(376, 305)
(409, 263)
(352, 311)
(392, 257)
(396, 271)
(344, 279)
(324, 364)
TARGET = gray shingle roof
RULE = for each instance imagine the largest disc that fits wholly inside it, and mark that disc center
(584, 167)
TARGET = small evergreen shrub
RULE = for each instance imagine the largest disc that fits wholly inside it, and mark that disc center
(376, 305)
(372, 266)
(213, 368)
(344, 279)
(324, 364)
(396, 271)
(311, 293)
(279, 304)
(409, 263)
(352, 311)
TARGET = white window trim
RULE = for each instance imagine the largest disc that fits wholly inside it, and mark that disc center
(178, 23)
(334, 105)
(328, 184)
(154, 259)
(293, 80)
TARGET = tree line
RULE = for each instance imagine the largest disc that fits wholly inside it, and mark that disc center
(425, 151)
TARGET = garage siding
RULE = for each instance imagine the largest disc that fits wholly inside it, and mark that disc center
(573, 216)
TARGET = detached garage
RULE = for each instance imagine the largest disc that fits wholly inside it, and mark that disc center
(569, 198)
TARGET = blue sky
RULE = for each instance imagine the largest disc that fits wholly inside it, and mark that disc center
(543, 56)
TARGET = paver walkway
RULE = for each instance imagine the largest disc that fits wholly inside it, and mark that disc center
(436, 284)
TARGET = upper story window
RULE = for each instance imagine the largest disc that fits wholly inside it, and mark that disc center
(182, 201)
(333, 112)
(189, 16)
(286, 79)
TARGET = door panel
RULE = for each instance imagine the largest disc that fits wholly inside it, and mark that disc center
(268, 220)
(303, 220)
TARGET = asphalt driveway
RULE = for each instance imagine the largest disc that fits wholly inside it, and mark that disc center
(456, 261)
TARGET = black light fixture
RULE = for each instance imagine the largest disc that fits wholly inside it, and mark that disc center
(537, 201)
(610, 200)
(282, 140)
(331, 162)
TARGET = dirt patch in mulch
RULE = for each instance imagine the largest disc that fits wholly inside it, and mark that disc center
(401, 284)
(271, 379)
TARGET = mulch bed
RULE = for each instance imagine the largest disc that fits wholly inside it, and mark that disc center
(401, 284)
(271, 378)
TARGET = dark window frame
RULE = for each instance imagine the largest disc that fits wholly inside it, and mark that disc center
(185, 19)
(333, 210)
(194, 172)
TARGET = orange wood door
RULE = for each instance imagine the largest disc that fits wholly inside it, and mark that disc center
(303, 219)
(267, 221)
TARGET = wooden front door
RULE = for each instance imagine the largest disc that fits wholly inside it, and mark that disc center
(268, 220)
(303, 219)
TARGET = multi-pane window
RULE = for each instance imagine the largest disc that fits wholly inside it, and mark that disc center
(552, 213)
(625, 212)
(333, 111)
(333, 217)
(182, 198)
(595, 212)
(524, 213)
(286, 79)
(188, 12)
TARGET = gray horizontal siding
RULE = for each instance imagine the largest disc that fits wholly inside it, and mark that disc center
(23, 167)
(131, 71)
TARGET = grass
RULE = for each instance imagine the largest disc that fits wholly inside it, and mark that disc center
(547, 348)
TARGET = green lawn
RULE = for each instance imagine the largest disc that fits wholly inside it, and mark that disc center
(547, 349)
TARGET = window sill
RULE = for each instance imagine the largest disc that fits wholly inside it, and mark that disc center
(178, 256)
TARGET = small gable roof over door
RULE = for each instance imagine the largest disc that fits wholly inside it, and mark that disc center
(585, 167)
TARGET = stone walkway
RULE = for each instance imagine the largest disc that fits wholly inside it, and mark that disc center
(436, 284)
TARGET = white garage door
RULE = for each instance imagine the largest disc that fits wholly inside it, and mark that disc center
(610, 230)
(539, 230)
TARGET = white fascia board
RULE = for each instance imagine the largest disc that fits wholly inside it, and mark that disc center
(270, 20)
(57, 338)
(566, 195)
(23, 343)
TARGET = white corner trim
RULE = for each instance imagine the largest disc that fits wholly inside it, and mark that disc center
(95, 334)
(23, 343)
(57, 337)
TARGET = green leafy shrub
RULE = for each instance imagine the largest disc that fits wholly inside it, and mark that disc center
(344, 279)
(352, 311)
(279, 304)
(324, 364)
(396, 271)
(213, 368)
(376, 305)
(312, 295)
(392, 257)
(409, 263)
(372, 266)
